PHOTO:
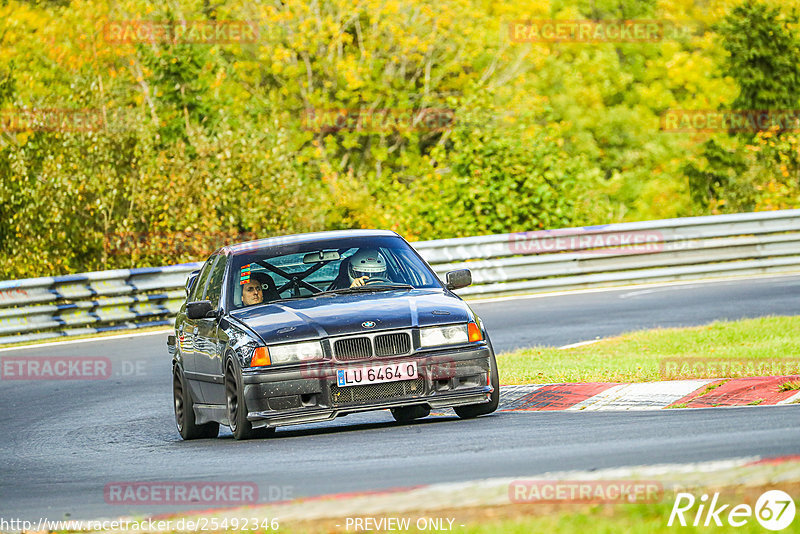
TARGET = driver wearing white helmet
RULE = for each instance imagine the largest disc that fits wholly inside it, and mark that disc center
(366, 265)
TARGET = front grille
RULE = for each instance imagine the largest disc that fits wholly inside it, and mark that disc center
(370, 392)
(353, 348)
(392, 344)
(379, 345)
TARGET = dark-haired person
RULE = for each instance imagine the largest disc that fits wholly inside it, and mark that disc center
(254, 290)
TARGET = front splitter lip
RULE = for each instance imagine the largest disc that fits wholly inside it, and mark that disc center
(317, 415)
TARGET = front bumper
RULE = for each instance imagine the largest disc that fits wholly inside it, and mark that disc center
(308, 393)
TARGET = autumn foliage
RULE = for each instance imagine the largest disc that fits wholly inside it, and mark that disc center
(135, 133)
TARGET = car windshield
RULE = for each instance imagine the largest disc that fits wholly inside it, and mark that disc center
(350, 265)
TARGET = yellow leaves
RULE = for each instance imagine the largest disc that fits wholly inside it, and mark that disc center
(308, 26)
(392, 7)
(22, 137)
(220, 77)
(281, 58)
(353, 80)
(514, 10)
(22, 16)
(281, 54)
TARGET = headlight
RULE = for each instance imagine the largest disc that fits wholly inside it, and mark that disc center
(296, 352)
(443, 335)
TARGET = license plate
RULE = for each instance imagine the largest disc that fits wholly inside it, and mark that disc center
(375, 374)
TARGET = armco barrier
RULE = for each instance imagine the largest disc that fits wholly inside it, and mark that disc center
(42, 308)
(529, 262)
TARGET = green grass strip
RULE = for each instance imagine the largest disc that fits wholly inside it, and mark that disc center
(640, 356)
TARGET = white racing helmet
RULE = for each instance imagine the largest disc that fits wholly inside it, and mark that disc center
(366, 262)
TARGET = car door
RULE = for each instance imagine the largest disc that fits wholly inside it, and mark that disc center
(208, 356)
(187, 330)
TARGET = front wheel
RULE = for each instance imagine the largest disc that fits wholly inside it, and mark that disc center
(184, 410)
(474, 410)
(237, 408)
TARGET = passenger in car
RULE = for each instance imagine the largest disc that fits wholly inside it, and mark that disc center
(257, 288)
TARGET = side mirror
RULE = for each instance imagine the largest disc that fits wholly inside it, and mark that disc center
(458, 279)
(191, 280)
(199, 309)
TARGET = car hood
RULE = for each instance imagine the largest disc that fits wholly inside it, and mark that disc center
(334, 315)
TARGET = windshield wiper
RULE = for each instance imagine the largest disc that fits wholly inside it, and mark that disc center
(347, 290)
(364, 289)
(385, 287)
(292, 298)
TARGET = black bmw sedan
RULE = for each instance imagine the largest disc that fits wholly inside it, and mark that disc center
(305, 328)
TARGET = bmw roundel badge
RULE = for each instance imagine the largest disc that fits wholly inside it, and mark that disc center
(368, 324)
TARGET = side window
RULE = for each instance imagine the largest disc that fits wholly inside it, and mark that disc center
(215, 281)
(200, 284)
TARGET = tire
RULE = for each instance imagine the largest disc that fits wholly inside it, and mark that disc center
(405, 414)
(183, 404)
(236, 407)
(474, 410)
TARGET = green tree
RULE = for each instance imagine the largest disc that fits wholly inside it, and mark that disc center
(764, 60)
(763, 56)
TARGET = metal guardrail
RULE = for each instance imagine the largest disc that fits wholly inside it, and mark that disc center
(619, 254)
(43, 308)
(529, 262)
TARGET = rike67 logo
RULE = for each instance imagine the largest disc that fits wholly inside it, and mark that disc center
(774, 510)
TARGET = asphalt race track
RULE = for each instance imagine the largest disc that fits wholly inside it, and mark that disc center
(63, 441)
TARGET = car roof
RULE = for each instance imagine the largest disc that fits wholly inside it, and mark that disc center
(249, 246)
